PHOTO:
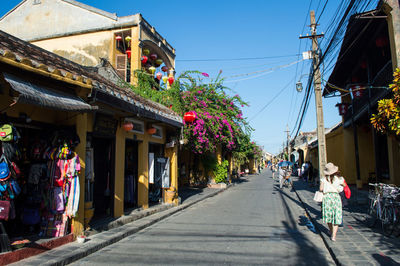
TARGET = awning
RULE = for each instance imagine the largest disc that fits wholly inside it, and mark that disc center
(45, 97)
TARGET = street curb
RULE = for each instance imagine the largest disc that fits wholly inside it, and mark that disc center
(72, 252)
(311, 218)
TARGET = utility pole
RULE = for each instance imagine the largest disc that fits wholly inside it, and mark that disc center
(288, 142)
(318, 94)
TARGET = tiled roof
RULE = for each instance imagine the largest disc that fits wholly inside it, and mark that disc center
(27, 54)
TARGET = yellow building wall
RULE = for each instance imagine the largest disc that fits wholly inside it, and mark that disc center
(335, 148)
(394, 160)
(366, 153)
(85, 49)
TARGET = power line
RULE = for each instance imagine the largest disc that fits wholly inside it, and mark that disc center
(235, 59)
(272, 99)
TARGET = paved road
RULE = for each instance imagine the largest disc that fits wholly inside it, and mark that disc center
(251, 223)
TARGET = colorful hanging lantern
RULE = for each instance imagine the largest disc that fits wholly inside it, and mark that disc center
(342, 108)
(146, 51)
(164, 69)
(357, 92)
(128, 39)
(171, 80)
(189, 117)
(165, 79)
(144, 59)
(153, 57)
(128, 53)
(118, 38)
(128, 126)
(152, 131)
(152, 70)
(159, 75)
(159, 62)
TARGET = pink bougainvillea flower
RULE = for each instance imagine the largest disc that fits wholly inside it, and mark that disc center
(205, 74)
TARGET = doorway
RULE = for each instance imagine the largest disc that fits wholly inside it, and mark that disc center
(156, 151)
(103, 149)
(131, 175)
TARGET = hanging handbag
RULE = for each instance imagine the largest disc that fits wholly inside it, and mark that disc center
(347, 191)
(6, 133)
(4, 209)
(4, 169)
(318, 196)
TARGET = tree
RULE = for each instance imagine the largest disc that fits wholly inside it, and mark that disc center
(387, 119)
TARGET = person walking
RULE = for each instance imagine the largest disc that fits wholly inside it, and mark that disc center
(273, 169)
(282, 175)
(331, 184)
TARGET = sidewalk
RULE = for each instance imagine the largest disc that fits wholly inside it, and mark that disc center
(356, 244)
(120, 228)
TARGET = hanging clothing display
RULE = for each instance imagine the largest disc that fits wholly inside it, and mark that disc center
(43, 194)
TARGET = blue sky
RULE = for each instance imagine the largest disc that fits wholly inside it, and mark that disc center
(264, 30)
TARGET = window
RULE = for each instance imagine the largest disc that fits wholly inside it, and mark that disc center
(158, 133)
(121, 65)
(138, 126)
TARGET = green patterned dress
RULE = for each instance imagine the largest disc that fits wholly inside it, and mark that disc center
(332, 208)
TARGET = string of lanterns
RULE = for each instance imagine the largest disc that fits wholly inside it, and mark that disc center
(150, 61)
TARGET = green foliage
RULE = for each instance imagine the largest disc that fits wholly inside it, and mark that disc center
(221, 172)
(387, 119)
(219, 117)
(209, 162)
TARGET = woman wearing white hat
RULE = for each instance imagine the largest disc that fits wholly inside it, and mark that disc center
(331, 185)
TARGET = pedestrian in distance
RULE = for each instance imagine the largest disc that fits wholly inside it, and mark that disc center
(282, 175)
(273, 169)
(331, 185)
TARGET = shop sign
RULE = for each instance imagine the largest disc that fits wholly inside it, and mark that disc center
(105, 126)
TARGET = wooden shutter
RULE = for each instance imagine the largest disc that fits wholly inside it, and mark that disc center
(121, 62)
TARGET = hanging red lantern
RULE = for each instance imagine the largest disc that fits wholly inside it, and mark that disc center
(152, 131)
(128, 126)
(342, 108)
(164, 69)
(128, 53)
(153, 57)
(171, 80)
(357, 92)
(189, 117)
(159, 75)
(144, 59)
(118, 38)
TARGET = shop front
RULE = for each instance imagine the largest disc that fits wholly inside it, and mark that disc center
(40, 161)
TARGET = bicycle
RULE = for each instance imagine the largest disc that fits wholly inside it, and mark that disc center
(382, 207)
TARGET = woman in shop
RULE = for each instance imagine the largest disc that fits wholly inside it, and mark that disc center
(331, 184)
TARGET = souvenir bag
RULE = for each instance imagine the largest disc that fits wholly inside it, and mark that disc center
(15, 170)
(4, 209)
(318, 196)
(347, 191)
(6, 133)
(15, 187)
(58, 199)
(4, 169)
